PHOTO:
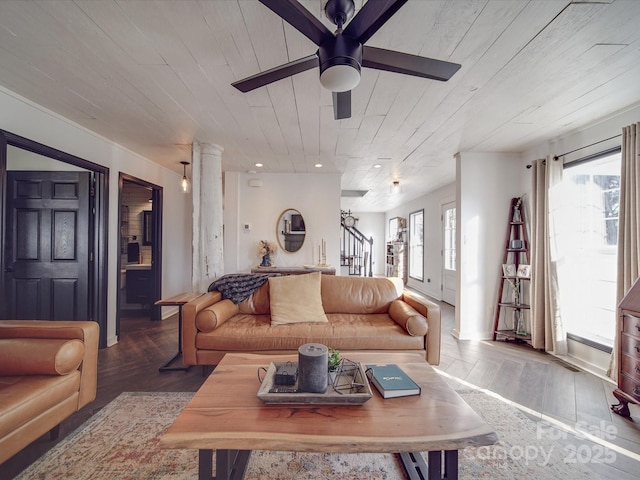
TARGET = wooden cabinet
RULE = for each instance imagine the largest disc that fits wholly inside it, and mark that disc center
(140, 286)
(628, 351)
(397, 260)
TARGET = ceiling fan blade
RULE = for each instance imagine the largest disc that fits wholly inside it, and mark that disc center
(276, 73)
(408, 64)
(371, 17)
(299, 18)
(341, 105)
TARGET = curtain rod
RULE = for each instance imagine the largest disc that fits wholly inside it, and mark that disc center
(557, 157)
(586, 146)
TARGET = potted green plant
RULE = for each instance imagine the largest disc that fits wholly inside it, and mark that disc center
(334, 363)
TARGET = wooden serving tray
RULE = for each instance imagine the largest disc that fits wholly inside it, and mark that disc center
(337, 393)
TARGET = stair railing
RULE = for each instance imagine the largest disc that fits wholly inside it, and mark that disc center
(356, 251)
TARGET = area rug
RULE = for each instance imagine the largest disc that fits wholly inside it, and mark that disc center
(121, 442)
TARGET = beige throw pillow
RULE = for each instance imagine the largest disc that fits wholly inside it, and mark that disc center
(296, 299)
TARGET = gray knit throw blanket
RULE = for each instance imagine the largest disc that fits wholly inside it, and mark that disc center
(237, 287)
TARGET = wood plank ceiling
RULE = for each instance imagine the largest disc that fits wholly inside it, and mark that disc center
(154, 76)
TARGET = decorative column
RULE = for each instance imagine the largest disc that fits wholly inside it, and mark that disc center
(208, 254)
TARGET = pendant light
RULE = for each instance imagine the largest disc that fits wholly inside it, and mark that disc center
(184, 182)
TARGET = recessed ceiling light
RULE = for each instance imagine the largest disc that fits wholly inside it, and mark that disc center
(377, 165)
(259, 165)
(318, 165)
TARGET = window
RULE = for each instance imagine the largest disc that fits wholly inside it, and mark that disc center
(449, 239)
(416, 245)
(393, 229)
(587, 236)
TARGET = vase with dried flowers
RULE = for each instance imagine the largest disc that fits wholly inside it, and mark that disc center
(515, 289)
(265, 250)
(518, 319)
(518, 323)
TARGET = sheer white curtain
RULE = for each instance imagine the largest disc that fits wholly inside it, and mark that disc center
(628, 223)
(547, 331)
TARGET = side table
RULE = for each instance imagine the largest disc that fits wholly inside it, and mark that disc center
(177, 300)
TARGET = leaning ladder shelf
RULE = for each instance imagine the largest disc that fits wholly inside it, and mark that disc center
(516, 253)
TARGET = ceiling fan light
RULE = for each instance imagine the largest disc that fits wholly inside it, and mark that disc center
(340, 78)
(340, 61)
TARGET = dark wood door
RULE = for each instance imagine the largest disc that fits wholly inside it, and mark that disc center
(47, 251)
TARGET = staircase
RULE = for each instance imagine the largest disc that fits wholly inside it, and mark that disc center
(355, 251)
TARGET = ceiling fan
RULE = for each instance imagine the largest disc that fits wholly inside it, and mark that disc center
(340, 56)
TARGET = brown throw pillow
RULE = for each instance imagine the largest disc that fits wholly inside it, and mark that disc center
(296, 299)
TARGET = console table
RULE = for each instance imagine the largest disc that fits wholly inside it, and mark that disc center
(295, 270)
(177, 300)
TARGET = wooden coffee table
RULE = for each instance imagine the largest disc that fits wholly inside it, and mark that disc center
(225, 415)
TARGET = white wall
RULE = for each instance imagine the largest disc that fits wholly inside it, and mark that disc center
(22, 117)
(432, 205)
(597, 132)
(316, 197)
(20, 159)
(485, 184)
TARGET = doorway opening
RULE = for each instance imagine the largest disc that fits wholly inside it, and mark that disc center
(140, 249)
(54, 234)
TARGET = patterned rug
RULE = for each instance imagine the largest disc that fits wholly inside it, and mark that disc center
(121, 442)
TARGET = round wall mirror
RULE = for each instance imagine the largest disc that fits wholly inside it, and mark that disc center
(290, 230)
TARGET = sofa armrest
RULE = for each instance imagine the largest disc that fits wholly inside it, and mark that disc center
(189, 330)
(211, 317)
(431, 311)
(408, 318)
(54, 357)
(85, 331)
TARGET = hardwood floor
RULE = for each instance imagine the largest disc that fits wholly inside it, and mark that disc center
(548, 389)
(553, 393)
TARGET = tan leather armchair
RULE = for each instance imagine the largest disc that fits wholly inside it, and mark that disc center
(48, 370)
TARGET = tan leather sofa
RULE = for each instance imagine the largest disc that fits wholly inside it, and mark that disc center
(365, 314)
(48, 370)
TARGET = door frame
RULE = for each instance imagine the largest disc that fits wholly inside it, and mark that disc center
(443, 208)
(156, 251)
(98, 235)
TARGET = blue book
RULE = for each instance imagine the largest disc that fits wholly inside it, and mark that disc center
(391, 381)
